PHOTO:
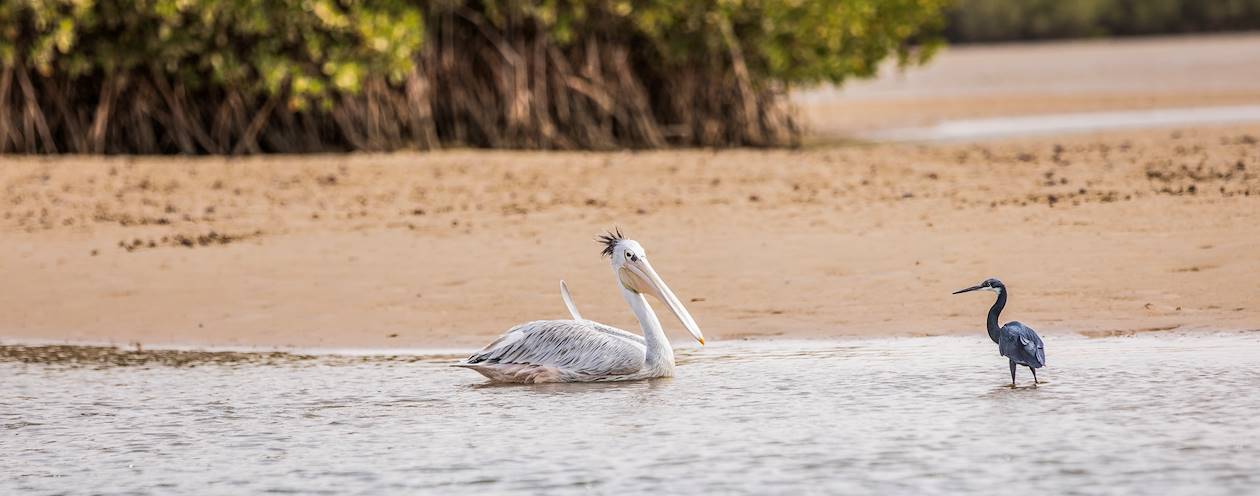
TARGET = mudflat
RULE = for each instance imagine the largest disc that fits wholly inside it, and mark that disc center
(1108, 234)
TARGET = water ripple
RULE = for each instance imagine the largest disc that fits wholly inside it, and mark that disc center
(925, 415)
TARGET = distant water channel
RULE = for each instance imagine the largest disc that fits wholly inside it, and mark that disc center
(1151, 414)
(1032, 125)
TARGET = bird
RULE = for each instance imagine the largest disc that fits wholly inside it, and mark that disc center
(581, 350)
(1017, 342)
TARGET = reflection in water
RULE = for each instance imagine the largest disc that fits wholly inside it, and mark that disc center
(1161, 413)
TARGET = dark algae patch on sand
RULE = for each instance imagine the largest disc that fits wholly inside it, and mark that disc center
(109, 356)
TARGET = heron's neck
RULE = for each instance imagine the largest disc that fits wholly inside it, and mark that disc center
(993, 315)
(658, 348)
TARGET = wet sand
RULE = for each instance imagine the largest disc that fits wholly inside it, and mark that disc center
(1104, 235)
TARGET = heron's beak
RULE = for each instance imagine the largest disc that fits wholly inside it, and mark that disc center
(639, 276)
(973, 288)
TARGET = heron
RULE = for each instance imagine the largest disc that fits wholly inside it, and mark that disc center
(581, 350)
(1017, 342)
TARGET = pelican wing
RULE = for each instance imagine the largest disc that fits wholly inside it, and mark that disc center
(568, 301)
(578, 347)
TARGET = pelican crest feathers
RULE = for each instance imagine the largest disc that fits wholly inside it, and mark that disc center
(610, 240)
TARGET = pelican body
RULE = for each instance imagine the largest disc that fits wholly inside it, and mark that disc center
(1017, 342)
(581, 350)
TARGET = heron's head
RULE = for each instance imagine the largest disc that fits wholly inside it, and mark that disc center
(635, 274)
(989, 284)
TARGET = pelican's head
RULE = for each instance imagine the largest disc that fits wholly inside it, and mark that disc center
(989, 284)
(630, 263)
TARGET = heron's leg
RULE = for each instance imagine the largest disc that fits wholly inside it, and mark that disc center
(1034, 371)
(1012, 373)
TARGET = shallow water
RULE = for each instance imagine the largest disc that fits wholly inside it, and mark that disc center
(1159, 414)
(1033, 125)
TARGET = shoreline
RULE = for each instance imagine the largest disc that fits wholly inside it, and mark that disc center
(181, 355)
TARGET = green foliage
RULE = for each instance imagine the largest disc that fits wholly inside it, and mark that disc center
(317, 45)
(794, 41)
(784, 41)
(206, 75)
(253, 46)
(999, 20)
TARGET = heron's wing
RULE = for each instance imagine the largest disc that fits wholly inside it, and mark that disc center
(577, 346)
(1024, 344)
(568, 301)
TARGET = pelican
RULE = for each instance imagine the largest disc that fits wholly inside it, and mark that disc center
(581, 350)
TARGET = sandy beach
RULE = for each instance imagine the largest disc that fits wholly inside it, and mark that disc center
(1102, 234)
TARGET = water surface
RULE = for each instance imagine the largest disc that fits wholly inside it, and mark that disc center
(1162, 414)
(1079, 122)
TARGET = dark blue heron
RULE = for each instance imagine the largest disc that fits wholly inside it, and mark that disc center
(1017, 342)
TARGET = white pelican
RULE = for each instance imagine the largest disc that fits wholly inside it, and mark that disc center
(581, 350)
